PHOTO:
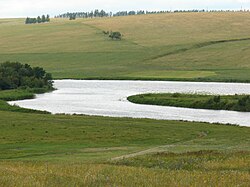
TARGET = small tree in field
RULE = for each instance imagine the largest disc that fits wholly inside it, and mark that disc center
(39, 20)
(47, 18)
(43, 19)
(72, 17)
(27, 21)
(115, 35)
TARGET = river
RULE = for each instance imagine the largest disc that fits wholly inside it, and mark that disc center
(109, 98)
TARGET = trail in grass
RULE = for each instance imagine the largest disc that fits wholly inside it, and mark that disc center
(144, 152)
(197, 46)
(157, 149)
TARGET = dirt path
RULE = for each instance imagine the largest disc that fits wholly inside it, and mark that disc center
(144, 152)
(158, 149)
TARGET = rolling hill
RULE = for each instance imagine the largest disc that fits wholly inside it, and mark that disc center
(180, 46)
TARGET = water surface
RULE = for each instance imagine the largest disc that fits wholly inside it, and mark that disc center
(109, 98)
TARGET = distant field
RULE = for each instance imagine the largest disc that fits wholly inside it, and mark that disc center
(180, 46)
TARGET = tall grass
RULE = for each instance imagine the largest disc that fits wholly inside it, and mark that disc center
(192, 161)
(78, 174)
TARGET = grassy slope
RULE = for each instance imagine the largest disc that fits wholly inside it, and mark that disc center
(154, 46)
(85, 138)
(229, 102)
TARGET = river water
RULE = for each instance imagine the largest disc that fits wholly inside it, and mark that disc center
(108, 98)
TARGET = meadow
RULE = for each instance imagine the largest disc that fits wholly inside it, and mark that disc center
(40, 149)
(214, 102)
(181, 46)
(63, 150)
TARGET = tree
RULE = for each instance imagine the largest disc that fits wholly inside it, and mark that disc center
(43, 19)
(14, 75)
(132, 13)
(33, 20)
(39, 72)
(39, 20)
(115, 35)
(96, 13)
(72, 17)
(47, 18)
(102, 13)
(30, 20)
(27, 21)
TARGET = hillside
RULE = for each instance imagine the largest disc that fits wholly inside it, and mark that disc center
(183, 46)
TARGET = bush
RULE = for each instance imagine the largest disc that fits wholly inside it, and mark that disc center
(115, 35)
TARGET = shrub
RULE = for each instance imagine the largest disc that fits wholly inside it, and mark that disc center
(115, 35)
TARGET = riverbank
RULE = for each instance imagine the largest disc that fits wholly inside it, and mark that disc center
(214, 102)
(20, 94)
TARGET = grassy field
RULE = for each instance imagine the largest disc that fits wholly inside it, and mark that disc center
(80, 150)
(224, 102)
(38, 149)
(181, 46)
(62, 150)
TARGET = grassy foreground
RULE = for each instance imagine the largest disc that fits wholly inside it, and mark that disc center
(48, 150)
(62, 150)
(229, 102)
(217, 172)
(181, 46)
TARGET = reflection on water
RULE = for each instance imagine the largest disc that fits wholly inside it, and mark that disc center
(108, 98)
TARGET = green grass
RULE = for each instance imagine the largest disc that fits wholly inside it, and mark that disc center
(63, 150)
(39, 149)
(19, 94)
(11, 95)
(78, 174)
(192, 161)
(225, 102)
(185, 46)
(50, 137)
